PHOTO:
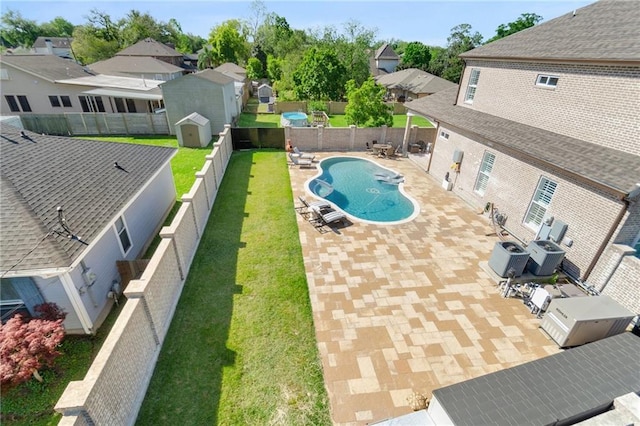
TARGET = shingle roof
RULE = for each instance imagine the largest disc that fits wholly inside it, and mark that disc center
(214, 76)
(386, 52)
(229, 67)
(548, 390)
(47, 67)
(44, 172)
(414, 80)
(196, 118)
(149, 47)
(63, 42)
(610, 169)
(607, 30)
(133, 64)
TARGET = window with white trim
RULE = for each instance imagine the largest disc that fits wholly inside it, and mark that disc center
(547, 81)
(472, 86)
(444, 135)
(91, 103)
(58, 101)
(488, 159)
(123, 235)
(540, 202)
(21, 100)
(4, 74)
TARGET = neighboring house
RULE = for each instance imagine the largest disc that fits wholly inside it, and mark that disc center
(384, 60)
(239, 74)
(150, 48)
(544, 127)
(140, 67)
(47, 84)
(209, 93)
(114, 198)
(59, 46)
(412, 83)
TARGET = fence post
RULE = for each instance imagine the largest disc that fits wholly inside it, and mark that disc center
(166, 233)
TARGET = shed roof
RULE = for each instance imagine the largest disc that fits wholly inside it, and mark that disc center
(47, 67)
(41, 172)
(149, 47)
(133, 64)
(549, 390)
(414, 80)
(195, 118)
(615, 171)
(607, 30)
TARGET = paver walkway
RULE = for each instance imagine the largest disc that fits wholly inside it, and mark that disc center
(406, 308)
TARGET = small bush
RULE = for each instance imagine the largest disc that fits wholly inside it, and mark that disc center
(317, 106)
(49, 311)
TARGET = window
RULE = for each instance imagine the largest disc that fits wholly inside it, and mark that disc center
(131, 105)
(91, 103)
(471, 86)
(159, 77)
(547, 81)
(540, 202)
(21, 100)
(4, 74)
(55, 101)
(66, 101)
(444, 135)
(483, 174)
(123, 235)
(18, 295)
(119, 105)
(125, 105)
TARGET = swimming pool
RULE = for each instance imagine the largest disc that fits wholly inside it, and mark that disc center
(364, 190)
(294, 119)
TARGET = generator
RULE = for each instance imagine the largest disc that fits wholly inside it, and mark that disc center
(575, 321)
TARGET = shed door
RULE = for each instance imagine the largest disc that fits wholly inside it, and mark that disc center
(191, 135)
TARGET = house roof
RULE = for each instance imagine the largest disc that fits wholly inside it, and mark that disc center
(549, 390)
(47, 67)
(114, 81)
(229, 67)
(149, 47)
(133, 64)
(606, 30)
(615, 171)
(42, 172)
(415, 81)
(61, 42)
(386, 52)
(196, 118)
(214, 76)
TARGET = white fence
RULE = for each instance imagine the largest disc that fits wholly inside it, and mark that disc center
(99, 123)
(114, 387)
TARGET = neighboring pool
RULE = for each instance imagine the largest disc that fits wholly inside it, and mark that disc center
(294, 119)
(351, 184)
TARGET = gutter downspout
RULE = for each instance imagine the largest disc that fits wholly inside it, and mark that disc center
(76, 302)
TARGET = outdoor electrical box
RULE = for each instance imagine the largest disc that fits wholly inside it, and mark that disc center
(575, 321)
(457, 156)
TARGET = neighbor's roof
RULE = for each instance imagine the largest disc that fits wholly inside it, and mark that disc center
(549, 390)
(229, 67)
(214, 76)
(607, 30)
(149, 47)
(41, 172)
(612, 170)
(414, 80)
(47, 67)
(196, 118)
(386, 52)
(60, 42)
(133, 64)
(114, 81)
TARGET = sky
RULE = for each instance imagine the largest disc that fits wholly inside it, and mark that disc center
(427, 21)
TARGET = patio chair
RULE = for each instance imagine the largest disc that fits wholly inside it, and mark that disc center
(303, 155)
(390, 152)
(300, 162)
(306, 208)
(327, 216)
(369, 149)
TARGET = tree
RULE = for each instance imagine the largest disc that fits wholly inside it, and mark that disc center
(416, 55)
(137, 26)
(97, 40)
(254, 69)
(438, 60)
(228, 43)
(525, 21)
(274, 68)
(57, 27)
(460, 41)
(17, 31)
(366, 105)
(26, 347)
(320, 76)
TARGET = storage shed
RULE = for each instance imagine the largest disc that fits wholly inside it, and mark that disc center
(265, 93)
(193, 131)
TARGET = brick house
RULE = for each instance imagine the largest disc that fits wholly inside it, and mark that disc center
(544, 125)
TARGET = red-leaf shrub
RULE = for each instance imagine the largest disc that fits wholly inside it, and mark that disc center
(25, 347)
(49, 311)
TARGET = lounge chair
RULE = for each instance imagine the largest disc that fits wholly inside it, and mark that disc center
(300, 162)
(328, 216)
(303, 155)
(305, 208)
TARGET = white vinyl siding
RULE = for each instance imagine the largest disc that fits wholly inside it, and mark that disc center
(472, 86)
(484, 172)
(540, 202)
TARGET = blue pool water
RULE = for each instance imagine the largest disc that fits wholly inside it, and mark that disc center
(294, 119)
(362, 189)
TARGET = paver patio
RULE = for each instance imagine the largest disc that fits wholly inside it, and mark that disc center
(406, 308)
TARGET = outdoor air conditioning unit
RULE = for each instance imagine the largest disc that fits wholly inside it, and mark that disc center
(575, 321)
(508, 255)
(545, 257)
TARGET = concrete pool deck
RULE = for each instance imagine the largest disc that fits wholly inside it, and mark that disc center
(404, 308)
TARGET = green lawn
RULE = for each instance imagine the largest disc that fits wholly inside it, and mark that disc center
(338, 120)
(184, 164)
(241, 348)
(258, 120)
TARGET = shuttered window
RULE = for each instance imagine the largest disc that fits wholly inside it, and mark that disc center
(540, 202)
(485, 171)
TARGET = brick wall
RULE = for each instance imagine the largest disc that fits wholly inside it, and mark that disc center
(595, 103)
(618, 275)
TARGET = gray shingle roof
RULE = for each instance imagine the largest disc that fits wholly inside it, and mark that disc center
(544, 391)
(386, 52)
(64, 42)
(133, 64)
(607, 30)
(47, 67)
(229, 67)
(149, 47)
(44, 172)
(414, 80)
(214, 76)
(610, 169)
